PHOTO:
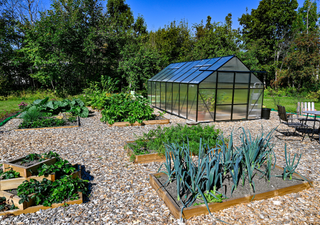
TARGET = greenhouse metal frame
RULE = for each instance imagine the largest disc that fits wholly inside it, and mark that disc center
(216, 89)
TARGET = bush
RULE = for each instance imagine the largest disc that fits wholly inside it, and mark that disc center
(124, 107)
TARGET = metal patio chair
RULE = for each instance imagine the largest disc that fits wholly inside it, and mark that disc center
(288, 120)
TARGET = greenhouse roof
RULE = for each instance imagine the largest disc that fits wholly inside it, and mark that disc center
(196, 71)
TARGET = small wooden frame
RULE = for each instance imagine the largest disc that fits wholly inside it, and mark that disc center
(146, 158)
(43, 128)
(202, 209)
(16, 200)
(146, 122)
(33, 209)
(26, 171)
(15, 182)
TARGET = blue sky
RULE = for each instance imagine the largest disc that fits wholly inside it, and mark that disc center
(158, 13)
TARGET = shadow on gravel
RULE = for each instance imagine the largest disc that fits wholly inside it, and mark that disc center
(85, 174)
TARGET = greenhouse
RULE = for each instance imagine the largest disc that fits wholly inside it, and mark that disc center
(217, 89)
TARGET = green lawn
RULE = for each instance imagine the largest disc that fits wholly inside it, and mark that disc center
(289, 102)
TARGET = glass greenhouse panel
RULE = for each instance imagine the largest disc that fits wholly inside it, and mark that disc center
(191, 77)
(242, 80)
(239, 112)
(192, 101)
(235, 65)
(206, 104)
(188, 66)
(186, 75)
(175, 72)
(165, 70)
(255, 103)
(158, 94)
(219, 63)
(175, 98)
(223, 112)
(153, 100)
(209, 82)
(240, 96)
(169, 97)
(224, 96)
(183, 100)
(201, 77)
(163, 96)
(255, 82)
(225, 80)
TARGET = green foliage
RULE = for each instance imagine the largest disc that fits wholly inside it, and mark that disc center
(31, 114)
(53, 107)
(156, 139)
(126, 108)
(5, 204)
(60, 168)
(210, 199)
(45, 122)
(47, 192)
(9, 174)
(290, 167)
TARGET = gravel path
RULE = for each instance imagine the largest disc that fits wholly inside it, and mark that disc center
(120, 192)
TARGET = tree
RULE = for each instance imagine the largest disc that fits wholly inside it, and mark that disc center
(215, 39)
(269, 29)
(303, 60)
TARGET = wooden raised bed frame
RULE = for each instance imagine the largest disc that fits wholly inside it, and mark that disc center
(25, 171)
(146, 158)
(202, 209)
(146, 122)
(43, 128)
(33, 209)
(15, 182)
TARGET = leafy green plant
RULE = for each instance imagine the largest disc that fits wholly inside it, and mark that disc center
(9, 174)
(47, 192)
(45, 122)
(290, 167)
(124, 107)
(155, 139)
(31, 114)
(60, 168)
(5, 204)
(31, 157)
(210, 199)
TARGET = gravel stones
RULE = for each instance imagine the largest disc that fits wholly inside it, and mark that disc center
(120, 192)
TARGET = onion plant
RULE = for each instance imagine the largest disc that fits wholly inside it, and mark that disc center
(290, 167)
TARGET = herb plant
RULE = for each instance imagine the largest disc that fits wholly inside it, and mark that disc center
(210, 199)
(45, 122)
(155, 139)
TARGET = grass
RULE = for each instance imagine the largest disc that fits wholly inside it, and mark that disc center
(11, 102)
(289, 102)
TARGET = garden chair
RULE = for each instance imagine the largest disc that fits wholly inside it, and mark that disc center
(285, 119)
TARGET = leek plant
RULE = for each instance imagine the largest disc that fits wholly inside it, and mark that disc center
(290, 167)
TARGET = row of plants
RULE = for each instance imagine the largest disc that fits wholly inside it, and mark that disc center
(47, 192)
(202, 178)
(125, 107)
(53, 107)
(6, 204)
(155, 139)
(37, 116)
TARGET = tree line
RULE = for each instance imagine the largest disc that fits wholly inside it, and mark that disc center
(76, 42)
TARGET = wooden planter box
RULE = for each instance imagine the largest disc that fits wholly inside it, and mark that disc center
(33, 209)
(146, 122)
(25, 171)
(202, 209)
(15, 182)
(16, 200)
(146, 158)
(42, 128)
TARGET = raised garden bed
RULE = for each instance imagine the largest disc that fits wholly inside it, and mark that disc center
(147, 122)
(141, 151)
(59, 183)
(67, 125)
(276, 187)
(219, 179)
(26, 169)
(33, 209)
(7, 184)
